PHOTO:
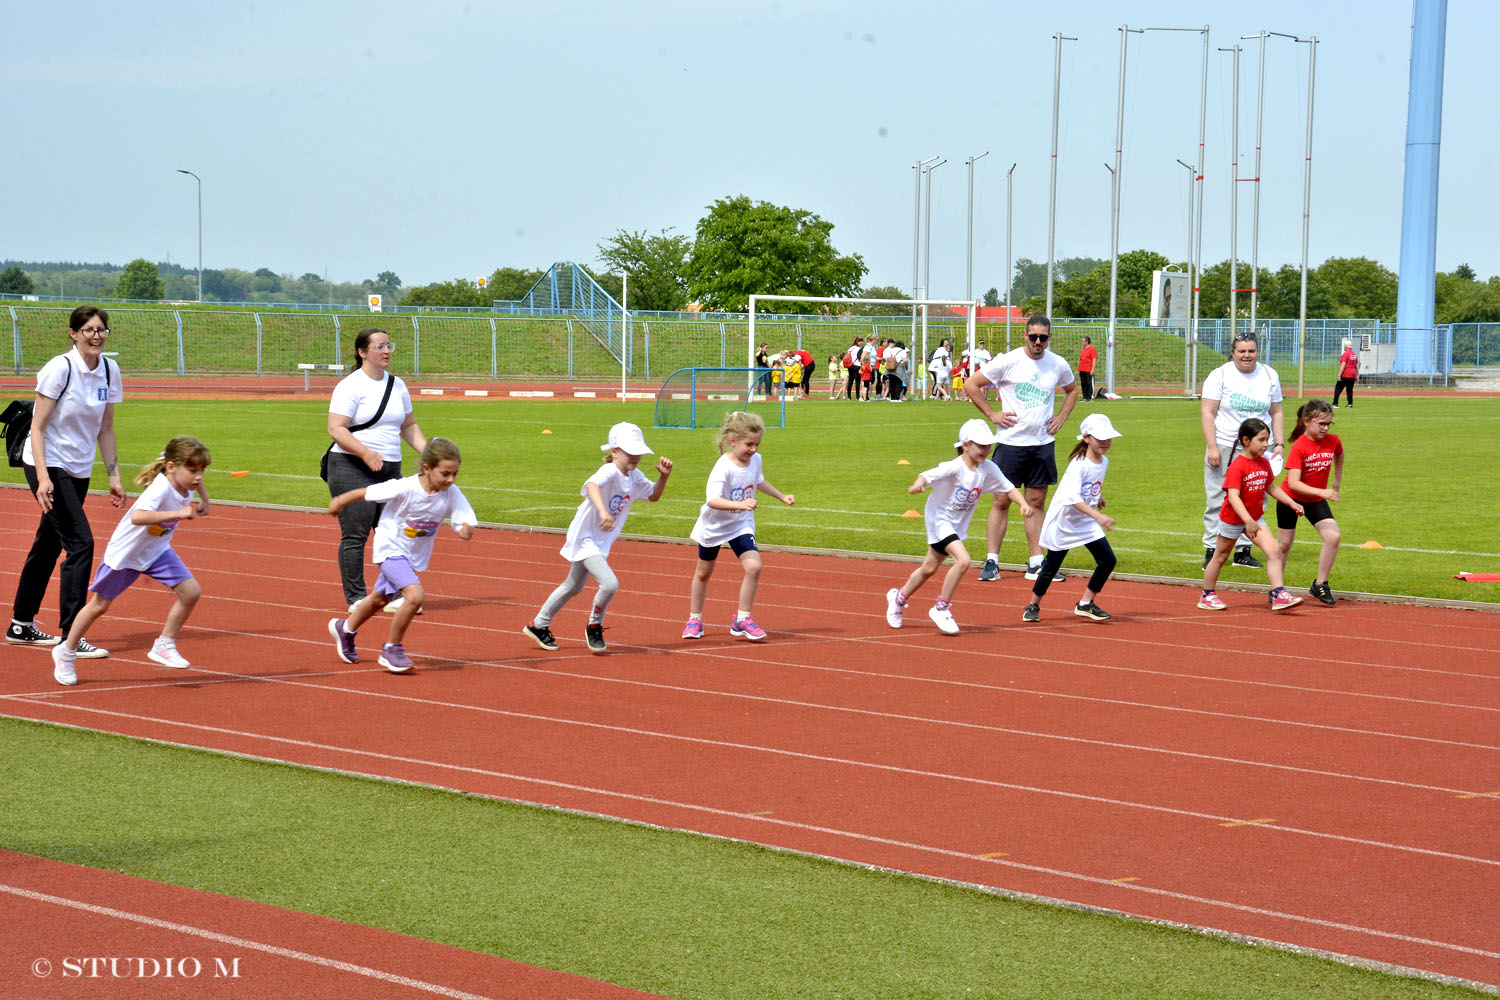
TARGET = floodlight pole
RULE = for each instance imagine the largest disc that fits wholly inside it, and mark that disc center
(969, 272)
(927, 263)
(1059, 38)
(1192, 277)
(1312, 65)
(916, 237)
(1114, 213)
(200, 230)
(1260, 104)
(1234, 194)
(624, 327)
(1009, 216)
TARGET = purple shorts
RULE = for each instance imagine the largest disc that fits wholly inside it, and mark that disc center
(168, 570)
(396, 575)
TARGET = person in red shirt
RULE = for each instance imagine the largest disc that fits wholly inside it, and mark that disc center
(1348, 374)
(1086, 359)
(809, 364)
(1247, 481)
(1315, 452)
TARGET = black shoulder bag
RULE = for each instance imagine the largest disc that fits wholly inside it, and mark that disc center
(17, 419)
(390, 383)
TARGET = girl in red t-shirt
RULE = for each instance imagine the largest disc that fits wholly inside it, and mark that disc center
(1315, 452)
(1247, 481)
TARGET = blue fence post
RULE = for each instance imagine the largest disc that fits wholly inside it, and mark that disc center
(258, 340)
(15, 339)
(416, 347)
(494, 350)
(181, 368)
(646, 331)
(337, 331)
(723, 347)
(570, 347)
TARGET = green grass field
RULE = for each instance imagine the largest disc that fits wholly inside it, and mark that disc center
(841, 461)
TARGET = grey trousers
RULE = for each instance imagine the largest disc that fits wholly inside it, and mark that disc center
(578, 574)
(1213, 490)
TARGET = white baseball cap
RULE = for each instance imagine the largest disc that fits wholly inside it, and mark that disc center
(628, 438)
(1097, 425)
(977, 431)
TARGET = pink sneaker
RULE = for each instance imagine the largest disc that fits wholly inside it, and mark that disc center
(693, 629)
(1210, 601)
(745, 628)
(1281, 599)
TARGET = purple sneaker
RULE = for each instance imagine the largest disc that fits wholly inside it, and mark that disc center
(393, 657)
(745, 628)
(343, 640)
(693, 629)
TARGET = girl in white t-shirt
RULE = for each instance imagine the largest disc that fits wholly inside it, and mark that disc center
(598, 521)
(415, 508)
(1076, 518)
(142, 543)
(956, 485)
(728, 518)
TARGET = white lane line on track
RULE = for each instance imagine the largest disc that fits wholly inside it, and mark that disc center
(239, 942)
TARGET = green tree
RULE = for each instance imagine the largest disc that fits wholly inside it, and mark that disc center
(265, 281)
(1135, 271)
(1068, 267)
(992, 298)
(1028, 278)
(510, 283)
(1087, 295)
(655, 265)
(16, 281)
(310, 278)
(1357, 287)
(139, 280)
(744, 247)
(1465, 272)
(458, 292)
(228, 285)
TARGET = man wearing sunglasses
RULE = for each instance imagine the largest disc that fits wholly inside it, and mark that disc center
(1240, 388)
(1027, 380)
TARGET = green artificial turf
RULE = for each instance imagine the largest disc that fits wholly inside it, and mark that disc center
(1410, 471)
(665, 912)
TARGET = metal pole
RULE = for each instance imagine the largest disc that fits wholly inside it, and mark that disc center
(1009, 216)
(927, 257)
(1187, 340)
(1312, 65)
(1260, 98)
(1234, 194)
(916, 237)
(624, 312)
(1114, 212)
(1052, 191)
(200, 230)
(969, 272)
(1198, 246)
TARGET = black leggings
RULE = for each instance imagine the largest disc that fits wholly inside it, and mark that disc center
(1103, 555)
(1344, 385)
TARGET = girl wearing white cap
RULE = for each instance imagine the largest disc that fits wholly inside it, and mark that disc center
(956, 487)
(1076, 517)
(607, 495)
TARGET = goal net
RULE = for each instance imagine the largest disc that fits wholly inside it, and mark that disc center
(702, 397)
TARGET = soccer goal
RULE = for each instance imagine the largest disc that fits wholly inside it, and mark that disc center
(701, 397)
(917, 349)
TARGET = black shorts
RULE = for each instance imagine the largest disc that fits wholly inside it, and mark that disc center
(1027, 464)
(739, 545)
(941, 546)
(1315, 511)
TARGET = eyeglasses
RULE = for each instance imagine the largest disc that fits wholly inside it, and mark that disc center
(383, 347)
(1323, 423)
(1245, 335)
(96, 329)
(1039, 338)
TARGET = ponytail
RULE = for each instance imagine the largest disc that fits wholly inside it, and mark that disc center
(184, 449)
(1307, 411)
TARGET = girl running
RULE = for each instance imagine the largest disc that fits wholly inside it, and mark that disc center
(1314, 453)
(1246, 483)
(728, 517)
(599, 520)
(416, 507)
(956, 485)
(1076, 517)
(142, 543)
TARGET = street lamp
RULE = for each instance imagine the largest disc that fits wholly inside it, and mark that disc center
(200, 230)
(916, 238)
(926, 271)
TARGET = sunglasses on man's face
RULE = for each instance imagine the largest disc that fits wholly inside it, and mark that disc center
(1039, 338)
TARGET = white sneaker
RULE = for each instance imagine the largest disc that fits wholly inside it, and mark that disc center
(1034, 570)
(395, 606)
(943, 619)
(164, 651)
(64, 669)
(893, 608)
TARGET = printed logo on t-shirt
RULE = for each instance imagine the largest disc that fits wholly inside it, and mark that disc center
(1254, 481)
(421, 529)
(742, 493)
(157, 530)
(1091, 493)
(1242, 403)
(103, 394)
(618, 502)
(964, 499)
(1031, 395)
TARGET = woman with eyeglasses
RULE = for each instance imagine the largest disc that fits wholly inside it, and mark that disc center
(72, 418)
(368, 418)
(1234, 392)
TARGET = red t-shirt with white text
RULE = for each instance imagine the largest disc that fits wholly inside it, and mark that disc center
(1315, 459)
(1252, 477)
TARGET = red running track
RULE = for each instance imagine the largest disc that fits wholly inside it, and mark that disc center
(1327, 778)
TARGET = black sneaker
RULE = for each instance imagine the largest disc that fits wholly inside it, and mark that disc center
(1208, 554)
(88, 651)
(1091, 611)
(594, 636)
(1033, 613)
(990, 571)
(30, 635)
(541, 635)
(1243, 557)
(1323, 593)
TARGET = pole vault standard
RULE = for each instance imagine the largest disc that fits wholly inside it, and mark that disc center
(916, 237)
(1234, 193)
(1114, 214)
(1051, 194)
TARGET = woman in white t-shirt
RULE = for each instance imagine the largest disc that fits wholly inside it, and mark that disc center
(1234, 392)
(72, 419)
(1076, 518)
(372, 454)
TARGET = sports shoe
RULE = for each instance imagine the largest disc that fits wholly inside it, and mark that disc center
(354, 605)
(693, 629)
(1091, 611)
(393, 657)
(1208, 555)
(343, 641)
(745, 628)
(990, 571)
(63, 670)
(943, 619)
(541, 635)
(164, 651)
(894, 609)
(30, 635)
(1244, 557)
(395, 606)
(1323, 593)
(594, 636)
(88, 651)
(1033, 613)
(1210, 601)
(1034, 570)
(1281, 599)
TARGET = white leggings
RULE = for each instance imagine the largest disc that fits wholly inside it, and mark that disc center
(570, 588)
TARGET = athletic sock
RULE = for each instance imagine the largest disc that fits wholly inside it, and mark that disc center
(596, 616)
(741, 614)
(943, 605)
(901, 598)
(992, 557)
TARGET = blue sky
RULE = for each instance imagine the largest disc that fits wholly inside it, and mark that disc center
(446, 139)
